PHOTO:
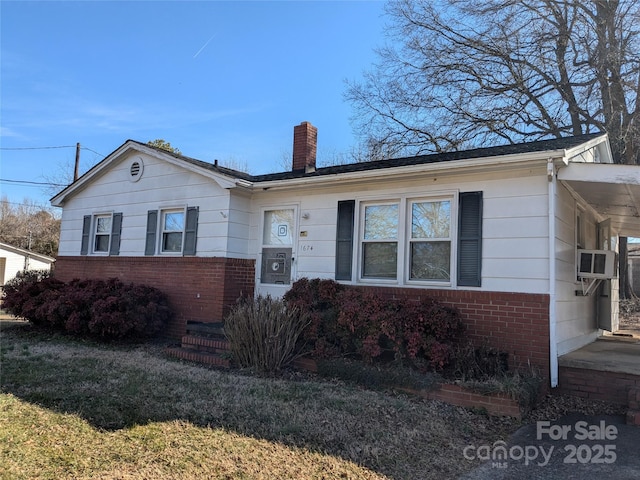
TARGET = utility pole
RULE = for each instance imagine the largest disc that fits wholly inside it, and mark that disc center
(77, 167)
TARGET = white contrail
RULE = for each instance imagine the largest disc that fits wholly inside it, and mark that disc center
(204, 46)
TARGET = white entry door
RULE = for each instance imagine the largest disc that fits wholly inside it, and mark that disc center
(276, 264)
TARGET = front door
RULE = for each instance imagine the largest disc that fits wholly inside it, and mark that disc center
(276, 262)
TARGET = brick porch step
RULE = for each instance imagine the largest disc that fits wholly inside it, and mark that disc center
(191, 355)
(205, 329)
(205, 344)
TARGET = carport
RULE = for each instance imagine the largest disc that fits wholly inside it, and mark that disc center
(609, 368)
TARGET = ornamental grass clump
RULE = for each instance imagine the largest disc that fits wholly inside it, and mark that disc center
(264, 333)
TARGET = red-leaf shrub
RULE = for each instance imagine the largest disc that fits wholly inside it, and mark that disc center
(27, 295)
(350, 321)
(104, 309)
(318, 298)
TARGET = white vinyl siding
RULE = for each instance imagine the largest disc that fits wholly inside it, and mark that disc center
(514, 249)
(222, 224)
(576, 314)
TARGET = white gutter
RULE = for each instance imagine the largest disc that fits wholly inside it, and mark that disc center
(553, 343)
(487, 164)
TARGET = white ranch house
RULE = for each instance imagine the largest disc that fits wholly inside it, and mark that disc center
(15, 259)
(495, 231)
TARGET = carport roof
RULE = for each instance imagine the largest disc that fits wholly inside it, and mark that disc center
(612, 190)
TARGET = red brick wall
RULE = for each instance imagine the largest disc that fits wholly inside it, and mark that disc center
(198, 288)
(305, 140)
(597, 385)
(517, 323)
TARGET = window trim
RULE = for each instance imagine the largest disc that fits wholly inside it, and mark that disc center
(403, 241)
(155, 231)
(453, 227)
(89, 234)
(162, 211)
(361, 240)
(94, 233)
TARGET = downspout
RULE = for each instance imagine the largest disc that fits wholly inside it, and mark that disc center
(553, 345)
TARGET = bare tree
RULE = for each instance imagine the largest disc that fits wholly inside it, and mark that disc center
(466, 73)
(29, 226)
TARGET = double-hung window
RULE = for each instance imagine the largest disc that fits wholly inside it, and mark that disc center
(426, 241)
(430, 240)
(102, 233)
(411, 240)
(172, 230)
(380, 241)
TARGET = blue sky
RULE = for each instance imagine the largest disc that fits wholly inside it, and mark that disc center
(219, 80)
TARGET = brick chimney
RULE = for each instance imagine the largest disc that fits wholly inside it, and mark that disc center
(305, 141)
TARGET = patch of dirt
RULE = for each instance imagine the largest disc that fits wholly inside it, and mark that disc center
(552, 407)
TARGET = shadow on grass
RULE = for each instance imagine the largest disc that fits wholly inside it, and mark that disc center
(116, 387)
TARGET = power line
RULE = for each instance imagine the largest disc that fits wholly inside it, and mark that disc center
(51, 148)
(92, 151)
(42, 206)
(37, 148)
(26, 182)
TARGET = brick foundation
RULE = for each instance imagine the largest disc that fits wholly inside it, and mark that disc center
(633, 414)
(203, 289)
(614, 387)
(516, 323)
(199, 288)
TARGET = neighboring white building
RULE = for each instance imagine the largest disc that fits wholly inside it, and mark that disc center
(15, 259)
(495, 231)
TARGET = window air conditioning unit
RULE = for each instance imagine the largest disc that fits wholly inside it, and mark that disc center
(596, 264)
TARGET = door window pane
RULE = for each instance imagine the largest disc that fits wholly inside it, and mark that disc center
(278, 227)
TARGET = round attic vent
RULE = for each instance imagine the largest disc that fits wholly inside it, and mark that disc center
(135, 170)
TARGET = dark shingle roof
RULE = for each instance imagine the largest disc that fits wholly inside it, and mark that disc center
(486, 152)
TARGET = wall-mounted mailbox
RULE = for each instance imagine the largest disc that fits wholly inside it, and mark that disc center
(276, 266)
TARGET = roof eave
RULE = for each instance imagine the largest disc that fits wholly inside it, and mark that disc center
(475, 165)
(224, 181)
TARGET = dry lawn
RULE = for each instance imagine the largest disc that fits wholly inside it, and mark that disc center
(72, 409)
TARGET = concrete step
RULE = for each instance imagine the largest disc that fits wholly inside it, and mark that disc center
(206, 358)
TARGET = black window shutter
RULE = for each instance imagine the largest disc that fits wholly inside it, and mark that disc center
(116, 228)
(344, 239)
(470, 239)
(191, 231)
(86, 233)
(152, 228)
